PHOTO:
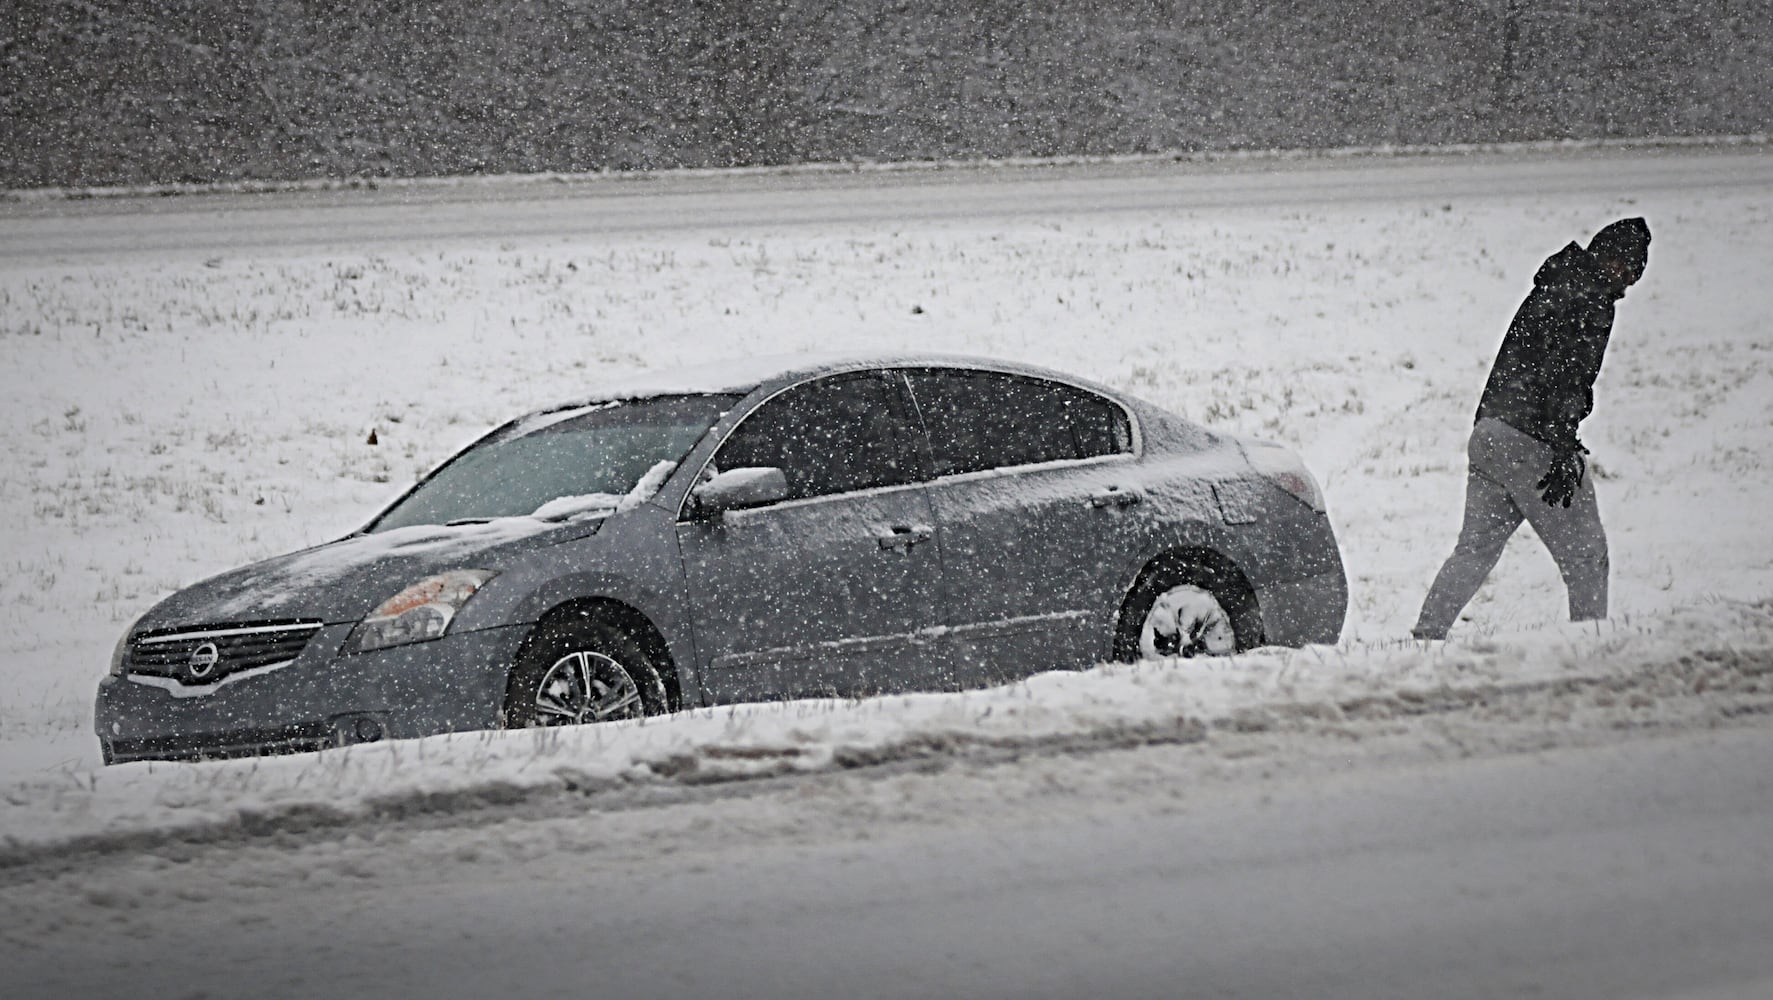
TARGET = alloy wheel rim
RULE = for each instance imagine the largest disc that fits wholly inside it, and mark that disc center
(585, 687)
(1187, 621)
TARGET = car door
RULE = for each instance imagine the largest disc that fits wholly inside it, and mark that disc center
(832, 590)
(1031, 486)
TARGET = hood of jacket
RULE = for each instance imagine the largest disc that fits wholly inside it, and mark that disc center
(1576, 269)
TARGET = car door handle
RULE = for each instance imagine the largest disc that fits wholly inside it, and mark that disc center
(1113, 496)
(905, 535)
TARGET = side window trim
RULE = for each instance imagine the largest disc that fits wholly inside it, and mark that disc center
(1026, 467)
(923, 470)
(741, 513)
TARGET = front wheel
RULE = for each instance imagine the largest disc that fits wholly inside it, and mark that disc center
(578, 671)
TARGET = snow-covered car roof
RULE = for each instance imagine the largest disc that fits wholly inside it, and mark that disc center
(741, 375)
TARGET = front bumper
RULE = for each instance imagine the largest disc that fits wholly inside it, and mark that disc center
(317, 700)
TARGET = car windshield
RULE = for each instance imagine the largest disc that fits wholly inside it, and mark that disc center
(562, 463)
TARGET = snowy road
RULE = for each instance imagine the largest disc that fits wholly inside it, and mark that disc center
(1626, 869)
(495, 211)
(1531, 809)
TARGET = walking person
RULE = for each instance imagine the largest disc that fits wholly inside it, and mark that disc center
(1525, 458)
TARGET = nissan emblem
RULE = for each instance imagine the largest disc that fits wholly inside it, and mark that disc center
(203, 660)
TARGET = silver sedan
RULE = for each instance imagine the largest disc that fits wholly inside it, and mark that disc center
(783, 528)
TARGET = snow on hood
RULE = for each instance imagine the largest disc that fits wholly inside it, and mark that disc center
(342, 580)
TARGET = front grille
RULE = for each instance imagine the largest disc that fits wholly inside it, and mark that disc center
(206, 655)
(300, 738)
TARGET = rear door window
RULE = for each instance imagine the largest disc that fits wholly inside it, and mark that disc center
(981, 420)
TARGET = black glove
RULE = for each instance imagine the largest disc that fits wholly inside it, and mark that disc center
(1562, 478)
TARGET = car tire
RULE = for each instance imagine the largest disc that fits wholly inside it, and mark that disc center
(1180, 608)
(576, 670)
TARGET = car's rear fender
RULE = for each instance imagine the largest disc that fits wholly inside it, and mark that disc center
(1283, 550)
(1292, 558)
(1197, 542)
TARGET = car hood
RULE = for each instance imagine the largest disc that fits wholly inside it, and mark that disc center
(342, 581)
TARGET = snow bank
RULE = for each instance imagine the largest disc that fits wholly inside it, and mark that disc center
(1640, 672)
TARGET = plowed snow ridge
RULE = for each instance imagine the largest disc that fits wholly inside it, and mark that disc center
(1697, 667)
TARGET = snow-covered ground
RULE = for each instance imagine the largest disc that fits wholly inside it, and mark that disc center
(168, 417)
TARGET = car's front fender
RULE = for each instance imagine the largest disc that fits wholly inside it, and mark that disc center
(633, 562)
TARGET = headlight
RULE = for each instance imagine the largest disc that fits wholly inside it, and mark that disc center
(421, 611)
(119, 654)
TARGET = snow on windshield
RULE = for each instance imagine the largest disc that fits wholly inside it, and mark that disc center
(264, 586)
(564, 508)
(562, 463)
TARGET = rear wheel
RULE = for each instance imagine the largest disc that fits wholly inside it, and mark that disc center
(1179, 608)
(1186, 620)
(578, 670)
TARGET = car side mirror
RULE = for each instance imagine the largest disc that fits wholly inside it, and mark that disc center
(735, 488)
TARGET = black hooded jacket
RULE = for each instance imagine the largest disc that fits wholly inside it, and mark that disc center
(1543, 380)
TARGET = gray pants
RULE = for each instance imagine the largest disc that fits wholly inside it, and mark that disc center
(1499, 495)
